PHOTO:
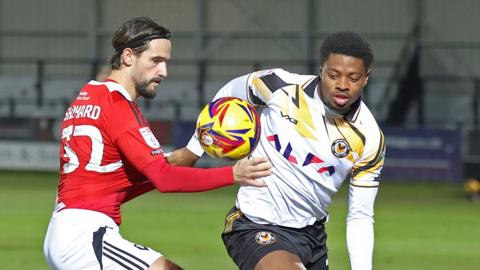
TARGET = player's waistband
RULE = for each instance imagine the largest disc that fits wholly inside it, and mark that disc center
(88, 218)
(238, 212)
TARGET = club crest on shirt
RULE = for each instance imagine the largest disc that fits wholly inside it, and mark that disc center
(265, 238)
(149, 138)
(340, 148)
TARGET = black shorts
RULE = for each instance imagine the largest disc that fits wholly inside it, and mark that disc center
(247, 242)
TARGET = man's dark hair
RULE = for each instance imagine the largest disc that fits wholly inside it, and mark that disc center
(136, 34)
(347, 43)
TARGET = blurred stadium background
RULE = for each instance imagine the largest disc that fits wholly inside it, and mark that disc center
(424, 91)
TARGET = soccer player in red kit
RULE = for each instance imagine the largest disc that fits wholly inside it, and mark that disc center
(109, 156)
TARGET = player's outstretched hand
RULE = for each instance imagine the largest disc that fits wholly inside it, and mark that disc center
(246, 172)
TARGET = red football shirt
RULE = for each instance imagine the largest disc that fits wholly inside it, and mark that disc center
(107, 144)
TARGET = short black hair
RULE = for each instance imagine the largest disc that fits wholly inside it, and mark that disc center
(347, 43)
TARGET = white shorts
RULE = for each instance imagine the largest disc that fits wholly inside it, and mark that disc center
(84, 239)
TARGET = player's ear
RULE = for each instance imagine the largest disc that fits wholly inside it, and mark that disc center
(366, 77)
(127, 57)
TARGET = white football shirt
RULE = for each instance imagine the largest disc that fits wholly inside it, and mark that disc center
(312, 153)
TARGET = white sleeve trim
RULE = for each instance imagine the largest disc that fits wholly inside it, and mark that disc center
(194, 145)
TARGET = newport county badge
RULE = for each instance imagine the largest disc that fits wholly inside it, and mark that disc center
(265, 238)
(340, 148)
(149, 138)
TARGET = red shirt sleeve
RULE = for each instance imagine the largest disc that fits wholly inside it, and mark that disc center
(165, 177)
(168, 178)
(130, 132)
(125, 123)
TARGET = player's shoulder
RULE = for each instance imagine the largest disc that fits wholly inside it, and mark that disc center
(114, 100)
(108, 89)
(284, 76)
(366, 121)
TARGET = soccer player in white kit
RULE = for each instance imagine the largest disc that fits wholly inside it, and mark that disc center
(109, 155)
(317, 133)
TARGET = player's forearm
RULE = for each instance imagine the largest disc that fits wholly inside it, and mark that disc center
(360, 236)
(360, 242)
(182, 157)
(168, 178)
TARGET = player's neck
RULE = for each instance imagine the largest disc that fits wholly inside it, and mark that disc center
(124, 80)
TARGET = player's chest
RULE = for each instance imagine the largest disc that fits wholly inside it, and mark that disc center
(320, 153)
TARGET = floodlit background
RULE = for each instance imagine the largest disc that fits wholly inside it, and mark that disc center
(424, 91)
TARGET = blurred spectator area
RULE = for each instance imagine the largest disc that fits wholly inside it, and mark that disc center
(426, 72)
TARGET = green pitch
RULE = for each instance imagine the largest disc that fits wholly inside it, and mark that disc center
(418, 226)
